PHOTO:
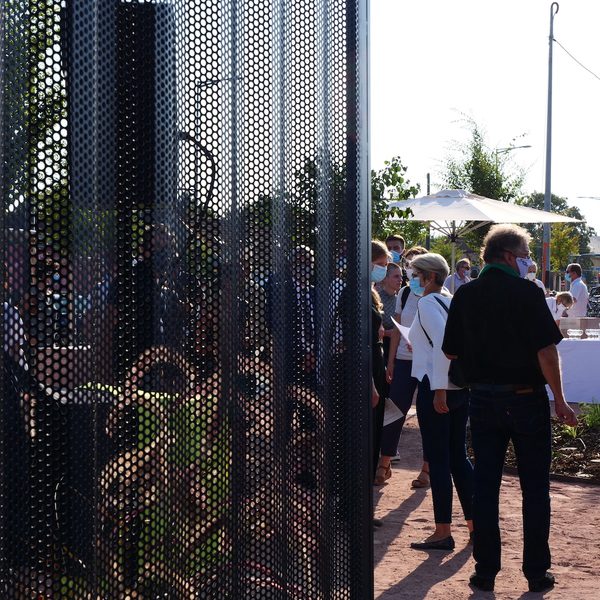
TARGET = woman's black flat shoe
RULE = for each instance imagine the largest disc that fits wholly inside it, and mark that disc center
(443, 544)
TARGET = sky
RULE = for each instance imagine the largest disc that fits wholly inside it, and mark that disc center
(435, 61)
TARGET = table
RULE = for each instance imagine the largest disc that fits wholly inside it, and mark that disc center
(580, 362)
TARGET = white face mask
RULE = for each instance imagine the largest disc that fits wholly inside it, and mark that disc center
(409, 273)
(523, 265)
(530, 276)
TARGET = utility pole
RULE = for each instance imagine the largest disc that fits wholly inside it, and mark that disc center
(548, 188)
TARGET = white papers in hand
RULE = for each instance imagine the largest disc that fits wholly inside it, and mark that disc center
(392, 412)
(403, 330)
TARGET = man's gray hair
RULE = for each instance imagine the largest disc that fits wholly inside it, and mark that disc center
(501, 238)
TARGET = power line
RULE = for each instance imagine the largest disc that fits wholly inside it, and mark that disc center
(578, 62)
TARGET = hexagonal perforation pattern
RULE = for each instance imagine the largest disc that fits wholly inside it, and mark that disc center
(185, 360)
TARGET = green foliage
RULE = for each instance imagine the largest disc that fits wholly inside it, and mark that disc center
(571, 431)
(443, 246)
(320, 179)
(591, 415)
(564, 242)
(482, 171)
(558, 205)
(389, 184)
(413, 232)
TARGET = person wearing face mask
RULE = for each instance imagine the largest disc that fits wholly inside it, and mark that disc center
(388, 291)
(402, 384)
(559, 305)
(380, 257)
(441, 405)
(454, 281)
(531, 275)
(578, 290)
(508, 355)
(395, 245)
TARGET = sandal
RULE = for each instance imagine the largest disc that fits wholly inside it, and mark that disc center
(382, 474)
(422, 481)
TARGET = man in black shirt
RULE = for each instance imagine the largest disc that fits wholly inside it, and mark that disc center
(505, 339)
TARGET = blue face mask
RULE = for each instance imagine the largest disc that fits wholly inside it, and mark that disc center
(378, 273)
(396, 256)
(568, 277)
(415, 287)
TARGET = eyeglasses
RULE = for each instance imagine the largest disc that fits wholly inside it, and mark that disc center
(525, 254)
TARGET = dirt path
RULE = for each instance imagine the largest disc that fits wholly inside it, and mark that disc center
(412, 575)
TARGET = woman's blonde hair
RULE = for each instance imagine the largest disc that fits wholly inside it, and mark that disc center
(565, 298)
(378, 250)
(432, 263)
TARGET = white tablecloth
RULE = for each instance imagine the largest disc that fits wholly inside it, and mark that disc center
(580, 362)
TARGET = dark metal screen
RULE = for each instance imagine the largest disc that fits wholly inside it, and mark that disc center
(185, 409)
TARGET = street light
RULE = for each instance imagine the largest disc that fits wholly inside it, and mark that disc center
(507, 149)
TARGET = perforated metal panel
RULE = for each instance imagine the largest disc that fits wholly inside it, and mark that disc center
(185, 393)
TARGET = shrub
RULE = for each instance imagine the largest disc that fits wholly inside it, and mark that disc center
(591, 415)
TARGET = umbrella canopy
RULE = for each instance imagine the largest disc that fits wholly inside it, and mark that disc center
(459, 205)
(456, 212)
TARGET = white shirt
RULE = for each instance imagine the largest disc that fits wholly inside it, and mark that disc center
(540, 284)
(557, 310)
(407, 316)
(580, 293)
(428, 360)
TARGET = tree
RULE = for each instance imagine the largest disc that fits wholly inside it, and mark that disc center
(564, 244)
(480, 170)
(560, 206)
(388, 184)
(442, 245)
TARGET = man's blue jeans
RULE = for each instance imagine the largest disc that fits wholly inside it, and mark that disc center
(495, 419)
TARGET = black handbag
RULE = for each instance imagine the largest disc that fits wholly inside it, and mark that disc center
(455, 373)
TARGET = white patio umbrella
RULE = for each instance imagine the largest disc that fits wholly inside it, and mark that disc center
(456, 212)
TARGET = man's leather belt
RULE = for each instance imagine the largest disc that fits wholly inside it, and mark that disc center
(517, 388)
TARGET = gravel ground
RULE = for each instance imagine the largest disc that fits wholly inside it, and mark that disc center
(407, 516)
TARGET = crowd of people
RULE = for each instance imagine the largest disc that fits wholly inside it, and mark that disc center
(474, 348)
(476, 352)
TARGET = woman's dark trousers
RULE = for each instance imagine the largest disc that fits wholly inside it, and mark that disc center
(444, 443)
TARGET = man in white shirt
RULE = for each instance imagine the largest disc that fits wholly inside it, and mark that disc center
(578, 290)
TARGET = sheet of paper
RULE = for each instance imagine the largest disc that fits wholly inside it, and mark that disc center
(392, 412)
(403, 330)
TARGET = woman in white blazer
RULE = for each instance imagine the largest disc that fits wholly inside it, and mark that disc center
(441, 405)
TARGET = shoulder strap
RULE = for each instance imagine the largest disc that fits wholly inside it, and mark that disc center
(404, 297)
(423, 328)
(421, 324)
(441, 304)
